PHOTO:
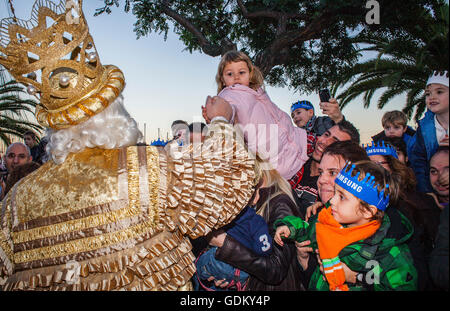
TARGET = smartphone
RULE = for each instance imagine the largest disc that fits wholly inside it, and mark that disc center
(324, 95)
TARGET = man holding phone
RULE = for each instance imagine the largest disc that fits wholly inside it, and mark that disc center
(302, 113)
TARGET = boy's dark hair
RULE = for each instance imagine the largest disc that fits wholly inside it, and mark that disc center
(350, 129)
(394, 117)
(347, 149)
(29, 133)
(179, 122)
(381, 177)
(398, 143)
(196, 127)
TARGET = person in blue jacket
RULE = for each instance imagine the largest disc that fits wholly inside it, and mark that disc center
(432, 130)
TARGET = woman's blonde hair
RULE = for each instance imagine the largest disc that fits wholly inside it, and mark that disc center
(282, 186)
(256, 77)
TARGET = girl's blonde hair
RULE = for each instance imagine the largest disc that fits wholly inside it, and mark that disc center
(256, 77)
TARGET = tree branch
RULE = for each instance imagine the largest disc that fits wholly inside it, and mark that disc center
(268, 13)
(205, 44)
(277, 54)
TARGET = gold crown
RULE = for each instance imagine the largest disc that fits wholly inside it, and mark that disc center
(54, 55)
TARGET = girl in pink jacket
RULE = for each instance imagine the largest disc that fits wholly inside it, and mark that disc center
(267, 129)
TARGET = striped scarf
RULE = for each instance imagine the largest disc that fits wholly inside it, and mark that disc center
(332, 238)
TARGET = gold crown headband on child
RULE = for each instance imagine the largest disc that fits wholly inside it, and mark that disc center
(54, 55)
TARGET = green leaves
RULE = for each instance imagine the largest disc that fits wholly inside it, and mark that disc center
(13, 108)
(404, 60)
(303, 44)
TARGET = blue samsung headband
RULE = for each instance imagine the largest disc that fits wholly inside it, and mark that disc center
(365, 190)
(301, 104)
(381, 149)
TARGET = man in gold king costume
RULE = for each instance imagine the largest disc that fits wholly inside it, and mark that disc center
(104, 213)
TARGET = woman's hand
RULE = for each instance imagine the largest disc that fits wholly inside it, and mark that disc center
(350, 276)
(205, 116)
(312, 210)
(216, 107)
(303, 253)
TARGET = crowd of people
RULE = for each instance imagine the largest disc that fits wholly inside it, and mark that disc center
(409, 170)
(326, 212)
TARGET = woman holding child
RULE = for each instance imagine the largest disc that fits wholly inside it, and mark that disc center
(277, 271)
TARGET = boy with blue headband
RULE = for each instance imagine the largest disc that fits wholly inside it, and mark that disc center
(302, 114)
(357, 244)
(378, 151)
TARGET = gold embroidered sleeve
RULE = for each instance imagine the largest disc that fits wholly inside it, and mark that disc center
(208, 184)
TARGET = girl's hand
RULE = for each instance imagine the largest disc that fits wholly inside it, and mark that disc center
(281, 231)
(303, 253)
(312, 210)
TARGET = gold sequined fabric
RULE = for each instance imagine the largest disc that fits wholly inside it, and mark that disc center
(120, 219)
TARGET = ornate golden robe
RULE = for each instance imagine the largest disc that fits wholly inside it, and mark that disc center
(120, 219)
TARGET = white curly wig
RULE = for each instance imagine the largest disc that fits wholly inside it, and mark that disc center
(110, 129)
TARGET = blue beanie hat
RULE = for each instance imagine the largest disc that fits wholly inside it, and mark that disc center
(302, 104)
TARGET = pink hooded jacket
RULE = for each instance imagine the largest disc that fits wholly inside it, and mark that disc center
(267, 129)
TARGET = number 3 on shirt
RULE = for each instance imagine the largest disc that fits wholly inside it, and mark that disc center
(265, 241)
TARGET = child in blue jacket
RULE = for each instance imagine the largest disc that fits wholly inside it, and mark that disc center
(251, 230)
(432, 130)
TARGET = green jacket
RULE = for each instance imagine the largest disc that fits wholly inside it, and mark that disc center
(384, 259)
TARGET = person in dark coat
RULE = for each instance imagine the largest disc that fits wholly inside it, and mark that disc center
(278, 271)
(419, 208)
(439, 256)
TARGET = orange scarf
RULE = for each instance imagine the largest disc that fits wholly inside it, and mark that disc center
(332, 238)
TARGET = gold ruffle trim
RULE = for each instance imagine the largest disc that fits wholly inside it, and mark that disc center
(161, 263)
(208, 184)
